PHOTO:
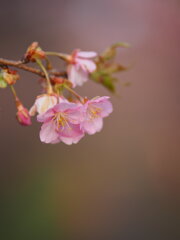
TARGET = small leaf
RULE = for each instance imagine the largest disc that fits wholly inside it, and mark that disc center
(105, 79)
(110, 52)
(114, 67)
(106, 68)
(108, 83)
(3, 83)
(121, 44)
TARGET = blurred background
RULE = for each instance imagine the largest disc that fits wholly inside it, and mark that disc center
(122, 183)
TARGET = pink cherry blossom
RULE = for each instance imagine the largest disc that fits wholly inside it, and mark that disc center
(94, 112)
(43, 103)
(22, 115)
(80, 65)
(62, 123)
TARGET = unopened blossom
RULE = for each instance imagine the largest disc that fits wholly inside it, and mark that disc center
(94, 111)
(80, 65)
(23, 116)
(62, 123)
(10, 76)
(43, 103)
(34, 52)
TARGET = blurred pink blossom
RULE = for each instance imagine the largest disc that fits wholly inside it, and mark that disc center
(80, 65)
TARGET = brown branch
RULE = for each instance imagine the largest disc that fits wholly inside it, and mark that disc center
(23, 66)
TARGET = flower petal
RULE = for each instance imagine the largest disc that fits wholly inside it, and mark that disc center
(33, 110)
(65, 106)
(102, 103)
(48, 133)
(45, 102)
(70, 141)
(70, 130)
(75, 115)
(44, 117)
(76, 75)
(87, 65)
(83, 54)
(92, 126)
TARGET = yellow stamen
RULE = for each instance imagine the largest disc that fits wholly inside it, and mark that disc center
(61, 120)
(94, 112)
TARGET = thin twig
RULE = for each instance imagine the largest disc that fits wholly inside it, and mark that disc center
(23, 66)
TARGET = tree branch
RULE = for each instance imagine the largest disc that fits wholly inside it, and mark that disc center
(23, 66)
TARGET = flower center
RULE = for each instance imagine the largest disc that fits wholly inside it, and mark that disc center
(93, 112)
(61, 121)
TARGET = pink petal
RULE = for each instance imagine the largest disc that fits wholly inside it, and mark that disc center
(62, 100)
(76, 75)
(48, 133)
(102, 103)
(56, 141)
(83, 54)
(33, 110)
(45, 102)
(92, 126)
(44, 117)
(70, 130)
(75, 115)
(65, 106)
(70, 141)
(87, 65)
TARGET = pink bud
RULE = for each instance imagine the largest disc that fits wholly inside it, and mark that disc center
(22, 115)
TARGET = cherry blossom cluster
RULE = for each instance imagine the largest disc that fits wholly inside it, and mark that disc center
(65, 115)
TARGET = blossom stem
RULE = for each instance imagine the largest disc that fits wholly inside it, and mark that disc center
(13, 91)
(48, 64)
(74, 93)
(63, 56)
(50, 90)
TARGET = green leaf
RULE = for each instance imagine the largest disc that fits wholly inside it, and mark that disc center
(110, 52)
(3, 83)
(108, 83)
(106, 68)
(113, 68)
(121, 44)
(105, 79)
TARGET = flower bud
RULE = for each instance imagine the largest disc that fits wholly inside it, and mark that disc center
(43, 103)
(10, 76)
(34, 52)
(22, 115)
(57, 80)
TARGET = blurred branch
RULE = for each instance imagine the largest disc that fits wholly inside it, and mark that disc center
(23, 66)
